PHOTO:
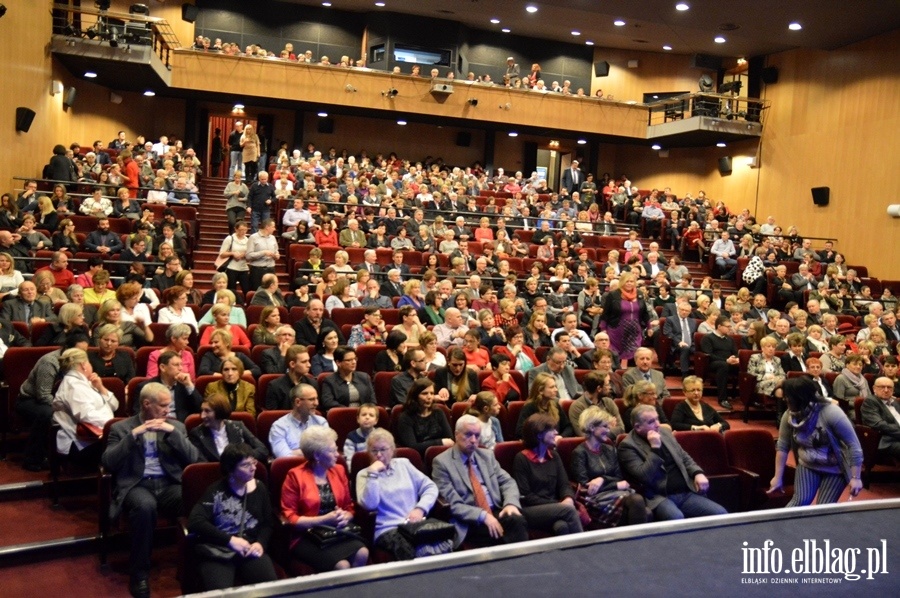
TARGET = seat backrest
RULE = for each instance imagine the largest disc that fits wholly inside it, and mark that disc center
(430, 454)
(412, 455)
(565, 447)
(857, 409)
(509, 424)
(707, 448)
(347, 315)
(142, 357)
(752, 449)
(365, 357)
(17, 365)
(505, 452)
(195, 479)
(131, 393)
(262, 386)
(382, 384)
(193, 420)
(117, 387)
(278, 471)
(264, 423)
(669, 406)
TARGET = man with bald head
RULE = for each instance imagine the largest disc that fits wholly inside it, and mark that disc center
(24, 307)
(452, 331)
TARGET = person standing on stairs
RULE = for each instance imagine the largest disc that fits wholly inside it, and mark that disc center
(234, 246)
(260, 201)
(236, 154)
(236, 193)
(262, 252)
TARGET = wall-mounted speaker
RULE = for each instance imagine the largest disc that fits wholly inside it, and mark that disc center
(769, 75)
(325, 126)
(601, 68)
(725, 165)
(463, 139)
(24, 118)
(821, 195)
(706, 62)
(69, 99)
(189, 12)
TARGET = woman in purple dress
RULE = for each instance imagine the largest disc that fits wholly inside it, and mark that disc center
(624, 317)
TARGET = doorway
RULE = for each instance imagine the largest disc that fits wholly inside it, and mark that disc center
(220, 166)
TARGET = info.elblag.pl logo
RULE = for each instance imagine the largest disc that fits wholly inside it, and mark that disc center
(816, 561)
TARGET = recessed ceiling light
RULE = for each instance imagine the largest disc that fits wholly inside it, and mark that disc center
(323, 114)
(379, 4)
(401, 122)
(667, 47)
(513, 134)
(576, 33)
(619, 23)
(719, 40)
(720, 144)
(326, 4)
(531, 8)
(795, 26)
(588, 43)
(656, 146)
(505, 30)
(682, 6)
(238, 107)
(495, 21)
(90, 75)
(582, 141)
(149, 93)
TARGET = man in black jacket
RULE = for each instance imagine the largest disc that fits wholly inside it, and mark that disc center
(187, 399)
(723, 357)
(313, 323)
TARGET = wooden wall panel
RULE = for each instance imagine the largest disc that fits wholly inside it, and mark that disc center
(656, 72)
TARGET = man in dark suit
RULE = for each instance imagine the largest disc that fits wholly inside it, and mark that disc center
(669, 479)
(723, 357)
(25, 308)
(680, 330)
(268, 293)
(397, 264)
(413, 369)
(297, 364)
(102, 240)
(889, 325)
(483, 498)
(313, 322)
(758, 311)
(393, 286)
(10, 337)
(186, 398)
(880, 412)
(572, 178)
(370, 264)
(147, 454)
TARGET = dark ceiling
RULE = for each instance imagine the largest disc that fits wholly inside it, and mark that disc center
(761, 25)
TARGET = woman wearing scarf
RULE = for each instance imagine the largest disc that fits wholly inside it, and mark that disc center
(625, 318)
(850, 383)
(824, 443)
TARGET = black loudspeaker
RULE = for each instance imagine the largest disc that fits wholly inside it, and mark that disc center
(601, 68)
(706, 62)
(821, 195)
(770, 75)
(69, 100)
(463, 139)
(725, 165)
(325, 125)
(189, 12)
(24, 118)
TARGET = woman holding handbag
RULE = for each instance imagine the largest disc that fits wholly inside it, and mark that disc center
(602, 489)
(400, 495)
(233, 258)
(316, 503)
(82, 406)
(234, 521)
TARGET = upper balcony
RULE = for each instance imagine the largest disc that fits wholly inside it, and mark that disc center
(136, 52)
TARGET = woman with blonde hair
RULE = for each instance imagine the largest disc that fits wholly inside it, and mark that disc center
(132, 335)
(46, 215)
(625, 317)
(250, 152)
(211, 362)
(43, 280)
(100, 292)
(240, 394)
(221, 314)
(82, 406)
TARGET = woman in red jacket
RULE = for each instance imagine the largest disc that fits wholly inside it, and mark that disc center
(317, 494)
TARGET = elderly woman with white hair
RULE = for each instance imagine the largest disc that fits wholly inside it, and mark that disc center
(398, 493)
(82, 406)
(316, 494)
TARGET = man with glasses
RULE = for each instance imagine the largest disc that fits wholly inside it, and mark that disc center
(285, 434)
(370, 331)
(346, 387)
(557, 365)
(273, 359)
(413, 368)
(185, 398)
(881, 413)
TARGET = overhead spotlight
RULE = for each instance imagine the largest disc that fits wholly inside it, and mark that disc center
(472, 101)
(103, 4)
(390, 93)
(349, 88)
(706, 83)
(731, 86)
(91, 32)
(113, 37)
(71, 31)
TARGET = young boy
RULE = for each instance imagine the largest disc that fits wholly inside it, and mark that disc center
(356, 440)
